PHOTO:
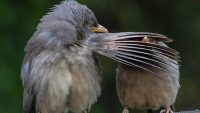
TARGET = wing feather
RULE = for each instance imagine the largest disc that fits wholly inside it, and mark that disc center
(129, 49)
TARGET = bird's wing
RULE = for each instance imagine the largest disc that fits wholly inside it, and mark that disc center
(128, 48)
(47, 80)
(29, 95)
(38, 66)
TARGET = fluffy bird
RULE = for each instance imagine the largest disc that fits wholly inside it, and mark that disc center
(60, 71)
(154, 89)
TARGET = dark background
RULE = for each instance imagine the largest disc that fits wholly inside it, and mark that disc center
(177, 19)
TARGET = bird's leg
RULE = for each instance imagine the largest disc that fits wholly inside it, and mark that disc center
(65, 111)
(166, 110)
(84, 111)
(125, 110)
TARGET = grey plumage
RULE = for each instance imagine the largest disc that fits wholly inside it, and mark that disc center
(60, 70)
(138, 88)
(127, 49)
(148, 73)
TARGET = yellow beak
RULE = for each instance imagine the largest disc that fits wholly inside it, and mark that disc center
(99, 29)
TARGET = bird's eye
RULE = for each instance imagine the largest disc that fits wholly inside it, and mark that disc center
(89, 26)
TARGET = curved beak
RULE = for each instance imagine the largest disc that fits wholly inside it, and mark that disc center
(99, 29)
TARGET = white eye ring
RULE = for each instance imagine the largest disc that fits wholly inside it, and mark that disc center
(89, 26)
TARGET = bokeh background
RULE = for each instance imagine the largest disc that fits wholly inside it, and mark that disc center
(177, 19)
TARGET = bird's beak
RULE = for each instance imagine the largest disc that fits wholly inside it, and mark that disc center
(99, 29)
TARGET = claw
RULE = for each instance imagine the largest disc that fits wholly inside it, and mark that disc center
(167, 110)
(125, 110)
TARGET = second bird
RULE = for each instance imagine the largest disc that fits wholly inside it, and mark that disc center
(153, 89)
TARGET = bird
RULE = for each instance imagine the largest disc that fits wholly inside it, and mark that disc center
(155, 90)
(61, 71)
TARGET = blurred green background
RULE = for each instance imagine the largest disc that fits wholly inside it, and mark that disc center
(177, 19)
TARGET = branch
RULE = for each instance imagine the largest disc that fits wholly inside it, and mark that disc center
(195, 111)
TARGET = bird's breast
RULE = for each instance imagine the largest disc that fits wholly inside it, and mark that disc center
(64, 77)
(141, 89)
(86, 79)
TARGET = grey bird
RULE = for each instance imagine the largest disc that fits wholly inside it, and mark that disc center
(152, 90)
(60, 71)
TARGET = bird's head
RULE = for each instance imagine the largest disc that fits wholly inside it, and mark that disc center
(69, 22)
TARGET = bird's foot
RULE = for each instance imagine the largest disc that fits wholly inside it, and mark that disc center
(167, 110)
(125, 110)
(84, 111)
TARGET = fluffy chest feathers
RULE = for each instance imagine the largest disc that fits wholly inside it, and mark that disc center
(138, 88)
(62, 77)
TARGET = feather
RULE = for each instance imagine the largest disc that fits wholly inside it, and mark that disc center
(129, 49)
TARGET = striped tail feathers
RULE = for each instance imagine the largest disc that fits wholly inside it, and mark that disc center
(129, 48)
